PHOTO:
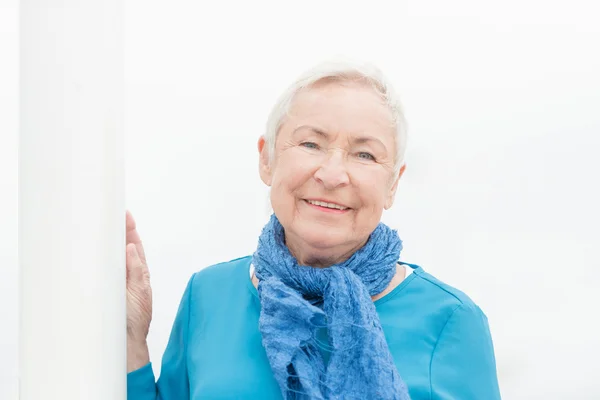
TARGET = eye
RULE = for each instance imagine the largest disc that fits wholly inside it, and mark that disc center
(366, 156)
(309, 145)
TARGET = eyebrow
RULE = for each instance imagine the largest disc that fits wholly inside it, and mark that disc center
(357, 140)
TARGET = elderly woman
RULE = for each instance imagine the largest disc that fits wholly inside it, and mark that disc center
(323, 309)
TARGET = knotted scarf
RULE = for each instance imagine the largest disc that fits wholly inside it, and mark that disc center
(297, 301)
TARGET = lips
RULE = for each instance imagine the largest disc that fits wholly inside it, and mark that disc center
(327, 204)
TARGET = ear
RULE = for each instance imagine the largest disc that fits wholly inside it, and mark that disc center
(264, 166)
(389, 201)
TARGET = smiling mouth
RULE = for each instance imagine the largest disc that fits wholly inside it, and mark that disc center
(324, 204)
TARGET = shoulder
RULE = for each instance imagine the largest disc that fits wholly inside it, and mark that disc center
(221, 276)
(439, 308)
(462, 316)
(447, 299)
(462, 361)
(224, 269)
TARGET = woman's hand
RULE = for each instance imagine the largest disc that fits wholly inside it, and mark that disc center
(139, 298)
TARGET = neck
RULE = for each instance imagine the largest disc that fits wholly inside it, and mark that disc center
(319, 257)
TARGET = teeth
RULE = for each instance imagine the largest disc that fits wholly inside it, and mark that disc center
(328, 205)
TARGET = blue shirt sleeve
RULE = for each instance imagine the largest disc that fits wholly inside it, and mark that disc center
(463, 365)
(173, 383)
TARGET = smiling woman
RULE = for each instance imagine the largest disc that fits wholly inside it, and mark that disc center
(336, 145)
(323, 309)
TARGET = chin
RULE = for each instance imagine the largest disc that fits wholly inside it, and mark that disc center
(320, 237)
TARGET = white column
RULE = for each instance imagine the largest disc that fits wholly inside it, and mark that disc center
(72, 341)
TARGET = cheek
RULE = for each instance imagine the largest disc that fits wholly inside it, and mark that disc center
(292, 171)
(290, 179)
(373, 189)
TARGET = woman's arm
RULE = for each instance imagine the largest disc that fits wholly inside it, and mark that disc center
(463, 365)
(173, 383)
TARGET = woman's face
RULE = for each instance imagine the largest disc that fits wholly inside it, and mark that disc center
(333, 170)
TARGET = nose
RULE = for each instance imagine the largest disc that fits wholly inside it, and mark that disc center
(332, 173)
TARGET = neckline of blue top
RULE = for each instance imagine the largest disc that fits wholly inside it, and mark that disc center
(411, 271)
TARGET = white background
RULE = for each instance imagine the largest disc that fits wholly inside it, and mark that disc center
(501, 191)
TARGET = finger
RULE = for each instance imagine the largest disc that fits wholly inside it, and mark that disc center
(132, 235)
(129, 221)
(135, 266)
(130, 229)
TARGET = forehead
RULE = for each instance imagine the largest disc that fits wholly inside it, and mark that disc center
(345, 107)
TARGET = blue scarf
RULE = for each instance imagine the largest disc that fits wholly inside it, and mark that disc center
(297, 301)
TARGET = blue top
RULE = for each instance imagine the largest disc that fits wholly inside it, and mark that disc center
(439, 338)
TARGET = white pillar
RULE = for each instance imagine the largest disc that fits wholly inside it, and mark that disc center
(72, 341)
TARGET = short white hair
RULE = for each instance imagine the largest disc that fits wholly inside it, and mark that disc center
(342, 71)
